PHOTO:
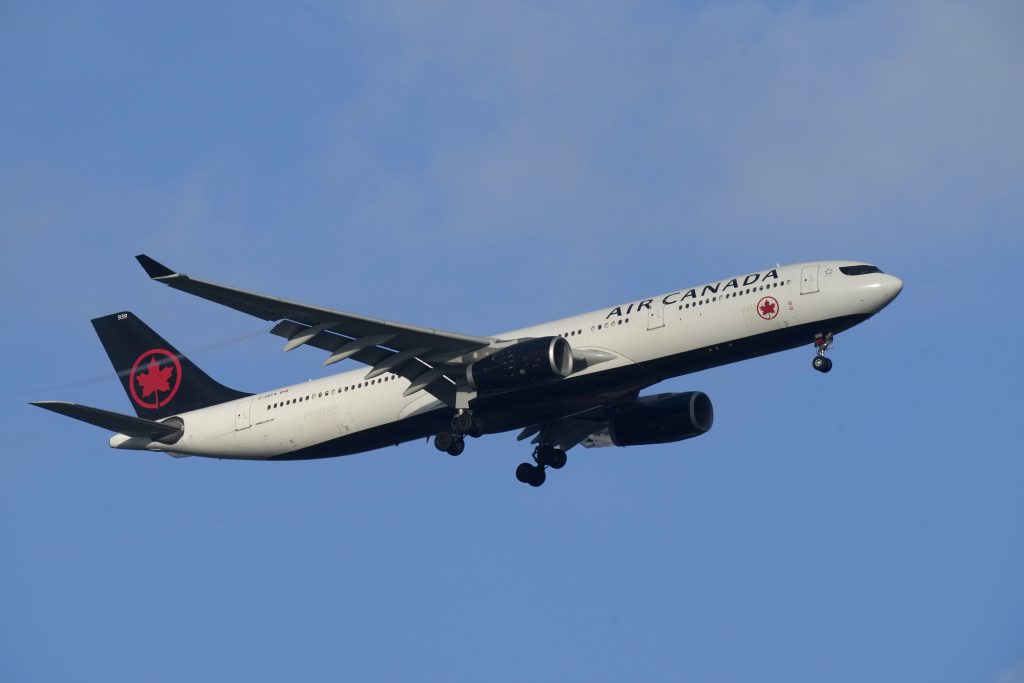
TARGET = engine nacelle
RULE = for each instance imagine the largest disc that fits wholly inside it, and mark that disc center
(663, 418)
(518, 366)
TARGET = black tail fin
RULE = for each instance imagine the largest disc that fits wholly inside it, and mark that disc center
(159, 380)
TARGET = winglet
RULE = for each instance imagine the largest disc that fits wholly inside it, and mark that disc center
(153, 268)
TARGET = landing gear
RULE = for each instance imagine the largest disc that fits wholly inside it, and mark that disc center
(545, 456)
(822, 343)
(531, 474)
(447, 442)
(555, 458)
(463, 424)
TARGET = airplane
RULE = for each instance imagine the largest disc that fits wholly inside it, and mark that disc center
(575, 381)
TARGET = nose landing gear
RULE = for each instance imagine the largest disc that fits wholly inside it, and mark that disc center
(544, 456)
(822, 342)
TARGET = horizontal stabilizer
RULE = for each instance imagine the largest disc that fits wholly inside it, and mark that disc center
(116, 422)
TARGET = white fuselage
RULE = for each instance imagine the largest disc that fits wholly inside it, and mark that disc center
(709, 319)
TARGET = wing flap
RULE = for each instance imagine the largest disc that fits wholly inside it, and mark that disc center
(365, 350)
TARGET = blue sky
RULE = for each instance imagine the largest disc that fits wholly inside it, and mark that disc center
(477, 168)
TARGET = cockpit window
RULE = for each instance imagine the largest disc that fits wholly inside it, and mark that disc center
(858, 270)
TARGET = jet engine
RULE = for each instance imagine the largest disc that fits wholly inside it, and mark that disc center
(663, 418)
(529, 362)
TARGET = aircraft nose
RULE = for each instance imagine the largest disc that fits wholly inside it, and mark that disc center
(888, 289)
(894, 286)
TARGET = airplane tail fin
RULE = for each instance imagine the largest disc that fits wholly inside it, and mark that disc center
(159, 380)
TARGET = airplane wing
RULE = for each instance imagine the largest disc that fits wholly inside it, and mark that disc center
(583, 428)
(115, 422)
(565, 432)
(422, 355)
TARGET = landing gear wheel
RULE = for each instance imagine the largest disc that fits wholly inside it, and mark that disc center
(458, 445)
(462, 423)
(531, 474)
(477, 430)
(550, 456)
(821, 364)
(558, 459)
(822, 343)
(443, 441)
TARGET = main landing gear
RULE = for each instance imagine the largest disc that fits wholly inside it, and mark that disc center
(453, 442)
(544, 456)
(822, 342)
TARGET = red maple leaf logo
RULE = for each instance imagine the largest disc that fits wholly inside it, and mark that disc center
(767, 308)
(155, 378)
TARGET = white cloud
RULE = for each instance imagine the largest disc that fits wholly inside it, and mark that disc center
(532, 136)
(876, 118)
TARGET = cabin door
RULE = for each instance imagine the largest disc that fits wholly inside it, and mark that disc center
(656, 315)
(243, 414)
(809, 280)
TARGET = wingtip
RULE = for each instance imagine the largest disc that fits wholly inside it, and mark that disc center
(55, 406)
(154, 268)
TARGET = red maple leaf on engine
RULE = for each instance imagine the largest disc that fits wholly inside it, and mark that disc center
(768, 307)
(154, 379)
